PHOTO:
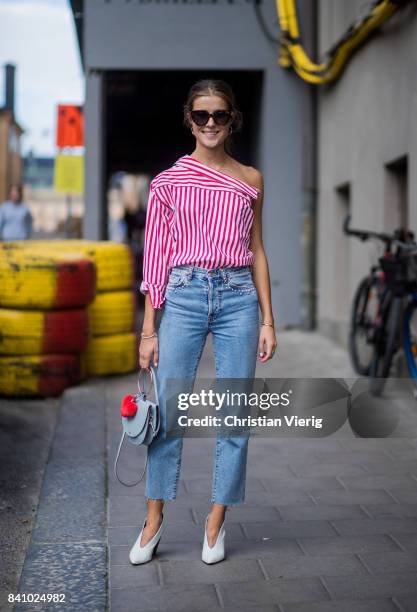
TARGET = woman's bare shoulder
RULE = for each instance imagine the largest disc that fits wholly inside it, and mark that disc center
(250, 175)
(254, 177)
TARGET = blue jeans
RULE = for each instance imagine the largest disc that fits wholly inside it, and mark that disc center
(223, 301)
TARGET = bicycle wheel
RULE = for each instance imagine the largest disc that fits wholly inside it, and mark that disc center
(387, 341)
(362, 325)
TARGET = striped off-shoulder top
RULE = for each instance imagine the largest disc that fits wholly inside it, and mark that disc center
(196, 215)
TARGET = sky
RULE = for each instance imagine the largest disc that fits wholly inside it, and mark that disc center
(39, 37)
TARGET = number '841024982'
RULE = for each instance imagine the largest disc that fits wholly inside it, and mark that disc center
(36, 597)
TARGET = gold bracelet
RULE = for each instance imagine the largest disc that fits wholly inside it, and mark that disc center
(154, 335)
(270, 324)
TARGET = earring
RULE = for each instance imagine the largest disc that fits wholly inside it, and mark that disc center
(230, 130)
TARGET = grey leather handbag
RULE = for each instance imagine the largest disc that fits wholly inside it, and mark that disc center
(140, 422)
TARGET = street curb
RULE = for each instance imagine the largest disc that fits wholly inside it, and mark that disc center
(67, 554)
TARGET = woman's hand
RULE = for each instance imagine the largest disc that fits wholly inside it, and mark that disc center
(267, 343)
(148, 351)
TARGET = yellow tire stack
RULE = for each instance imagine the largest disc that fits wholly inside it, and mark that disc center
(67, 310)
(44, 325)
(112, 348)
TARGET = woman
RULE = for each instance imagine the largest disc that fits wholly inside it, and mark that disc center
(202, 237)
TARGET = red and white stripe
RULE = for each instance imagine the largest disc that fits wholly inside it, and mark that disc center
(196, 215)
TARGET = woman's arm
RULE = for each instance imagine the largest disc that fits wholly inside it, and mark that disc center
(157, 249)
(156, 254)
(260, 273)
(149, 318)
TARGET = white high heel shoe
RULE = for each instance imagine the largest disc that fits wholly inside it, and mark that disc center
(217, 552)
(142, 554)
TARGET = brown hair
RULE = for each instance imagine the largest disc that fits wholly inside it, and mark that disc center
(215, 87)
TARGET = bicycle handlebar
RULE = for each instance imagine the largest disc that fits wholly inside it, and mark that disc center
(365, 234)
(396, 238)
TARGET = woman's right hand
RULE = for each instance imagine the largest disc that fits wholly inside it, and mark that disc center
(148, 352)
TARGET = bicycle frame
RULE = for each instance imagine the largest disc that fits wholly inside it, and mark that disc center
(392, 285)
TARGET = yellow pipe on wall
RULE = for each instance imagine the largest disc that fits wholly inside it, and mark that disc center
(292, 53)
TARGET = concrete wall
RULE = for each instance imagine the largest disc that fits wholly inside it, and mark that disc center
(121, 35)
(366, 121)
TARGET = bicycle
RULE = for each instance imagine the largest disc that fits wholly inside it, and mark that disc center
(378, 308)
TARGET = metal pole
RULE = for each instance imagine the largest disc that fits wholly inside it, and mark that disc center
(69, 214)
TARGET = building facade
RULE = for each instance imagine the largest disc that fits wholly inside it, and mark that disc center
(367, 153)
(10, 134)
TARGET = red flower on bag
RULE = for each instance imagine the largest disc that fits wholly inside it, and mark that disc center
(128, 407)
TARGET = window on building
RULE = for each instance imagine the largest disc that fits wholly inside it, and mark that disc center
(341, 268)
(396, 195)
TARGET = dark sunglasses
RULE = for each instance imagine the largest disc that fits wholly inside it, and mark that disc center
(201, 117)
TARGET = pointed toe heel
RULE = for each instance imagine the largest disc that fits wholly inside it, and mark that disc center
(142, 554)
(156, 547)
(217, 552)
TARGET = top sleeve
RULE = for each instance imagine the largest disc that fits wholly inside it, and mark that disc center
(157, 249)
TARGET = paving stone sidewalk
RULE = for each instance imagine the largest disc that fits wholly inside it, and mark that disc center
(329, 524)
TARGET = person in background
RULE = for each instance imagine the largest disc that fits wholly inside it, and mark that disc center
(15, 217)
(135, 221)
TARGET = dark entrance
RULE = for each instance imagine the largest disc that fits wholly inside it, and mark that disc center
(144, 129)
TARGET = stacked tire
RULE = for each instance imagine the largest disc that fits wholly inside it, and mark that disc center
(112, 348)
(67, 310)
(44, 326)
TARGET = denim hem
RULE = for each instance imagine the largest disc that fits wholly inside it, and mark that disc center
(160, 498)
(177, 474)
(227, 503)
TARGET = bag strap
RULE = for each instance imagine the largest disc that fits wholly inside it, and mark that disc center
(127, 484)
(153, 379)
(156, 400)
(133, 484)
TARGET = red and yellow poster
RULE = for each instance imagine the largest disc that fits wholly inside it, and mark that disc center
(69, 174)
(70, 126)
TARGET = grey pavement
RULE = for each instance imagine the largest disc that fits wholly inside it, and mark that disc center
(328, 523)
(27, 429)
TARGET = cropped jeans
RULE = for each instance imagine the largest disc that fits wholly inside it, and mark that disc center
(198, 301)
